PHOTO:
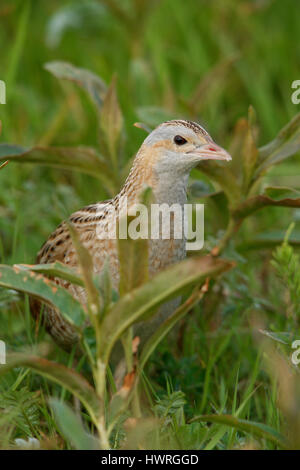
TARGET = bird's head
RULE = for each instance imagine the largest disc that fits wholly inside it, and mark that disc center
(179, 146)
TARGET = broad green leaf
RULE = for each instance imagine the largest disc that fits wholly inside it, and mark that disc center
(105, 286)
(200, 188)
(42, 288)
(72, 427)
(286, 143)
(120, 399)
(85, 262)
(165, 285)
(60, 374)
(219, 207)
(223, 175)
(56, 269)
(6, 150)
(133, 254)
(257, 429)
(133, 258)
(83, 159)
(166, 326)
(237, 143)
(258, 202)
(87, 80)
(279, 192)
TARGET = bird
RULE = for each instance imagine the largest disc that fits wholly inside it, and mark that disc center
(163, 163)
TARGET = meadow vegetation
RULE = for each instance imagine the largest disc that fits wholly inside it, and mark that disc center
(218, 374)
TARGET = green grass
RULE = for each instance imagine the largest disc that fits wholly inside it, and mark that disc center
(204, 60)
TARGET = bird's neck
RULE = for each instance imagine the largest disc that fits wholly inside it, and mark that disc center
(168, 187)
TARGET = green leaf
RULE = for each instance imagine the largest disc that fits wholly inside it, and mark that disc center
(224, 176)
(47, 291)
(286, 143)
(133, 258)
(165, 285)
(279, 192)
(72, 428)
(60, 374)
(56, 269)
(166, 326)
(133, 254)
(85, 262)
(87, 80)
(257, 429)
(105, 286)
(258, 202)
(83, 159)
(7, 149)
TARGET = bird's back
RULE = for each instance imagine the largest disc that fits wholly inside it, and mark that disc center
(92, 224)
(88, 223)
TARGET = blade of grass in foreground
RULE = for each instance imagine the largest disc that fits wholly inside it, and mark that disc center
(257, 429)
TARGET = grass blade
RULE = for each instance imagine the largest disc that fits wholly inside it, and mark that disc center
(257, 429)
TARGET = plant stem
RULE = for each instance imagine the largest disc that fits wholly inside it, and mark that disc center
(104, 442)
(136, 407)
(127, 346)
(100, 382)
(232, 228)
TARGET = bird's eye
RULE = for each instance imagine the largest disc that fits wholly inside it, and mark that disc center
(179, 140)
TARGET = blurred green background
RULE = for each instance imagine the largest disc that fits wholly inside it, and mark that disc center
(203, 60)
(206, 60)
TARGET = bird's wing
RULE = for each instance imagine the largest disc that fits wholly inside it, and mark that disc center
(59, 246)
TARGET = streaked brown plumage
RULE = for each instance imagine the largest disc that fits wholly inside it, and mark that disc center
(162, 164)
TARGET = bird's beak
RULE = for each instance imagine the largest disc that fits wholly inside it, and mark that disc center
(211, 151)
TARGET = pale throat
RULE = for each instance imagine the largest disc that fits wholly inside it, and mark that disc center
(170, 188)
(168, 184)
(169, 181)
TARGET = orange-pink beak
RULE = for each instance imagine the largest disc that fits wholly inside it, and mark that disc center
(212, 151)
